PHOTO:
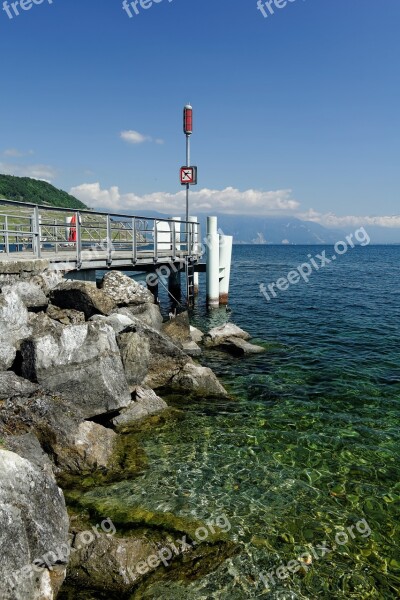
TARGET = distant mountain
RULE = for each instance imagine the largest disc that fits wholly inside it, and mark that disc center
(276, 230)
(24, 189)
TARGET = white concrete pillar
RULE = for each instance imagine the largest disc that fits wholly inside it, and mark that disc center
(178, 224)
(225, 259)
(212, 262)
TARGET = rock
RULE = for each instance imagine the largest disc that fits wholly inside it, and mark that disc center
(110, 563)
(94, 444)
(82, 296)
(147, 352)
(149, 357)
(123, 290)
(219, 334)
(75, 447)
(135, 354)
(117, 321)
(200, 380)
(146, 403)
(149, 314)
(12, 385)
(34, 529)
(196, 335)
(27, 446)
(238, 347)
(80, 361)
(191, 348)
(67, 316)
(14, 326)
(178, 328)
(31, 295)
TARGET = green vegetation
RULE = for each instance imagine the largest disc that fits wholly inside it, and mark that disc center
(24, 189)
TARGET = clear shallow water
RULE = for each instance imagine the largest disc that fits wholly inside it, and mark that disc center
(309, 446)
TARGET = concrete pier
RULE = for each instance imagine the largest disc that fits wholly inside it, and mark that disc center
(212, 278)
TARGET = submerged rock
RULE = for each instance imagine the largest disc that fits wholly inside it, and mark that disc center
(239, 347)
(123, 290)
(201, 380)
(219, 334)
(82, 296)
(34, 531)
(82, 362)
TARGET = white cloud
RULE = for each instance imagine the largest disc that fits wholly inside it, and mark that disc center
(14, 153)
(38, 171)
(229, 200)
(134, 137)
(331, 220)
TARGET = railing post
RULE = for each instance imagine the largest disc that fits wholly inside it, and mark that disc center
(78, 240)
(134, 241)
(155, 241)
(36, 232)
(7, 239)
(109, 241)
(173, 234)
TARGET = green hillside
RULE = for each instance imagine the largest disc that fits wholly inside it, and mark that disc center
(24, 189)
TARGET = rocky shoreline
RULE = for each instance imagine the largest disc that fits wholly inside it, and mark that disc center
(80, 366)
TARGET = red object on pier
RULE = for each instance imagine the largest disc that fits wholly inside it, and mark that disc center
(72, 229)
(188, 119)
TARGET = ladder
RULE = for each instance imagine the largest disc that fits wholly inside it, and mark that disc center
(189, 268)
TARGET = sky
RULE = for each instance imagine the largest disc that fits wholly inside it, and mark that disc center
(296, 113)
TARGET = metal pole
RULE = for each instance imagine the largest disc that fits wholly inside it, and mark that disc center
(187, 189)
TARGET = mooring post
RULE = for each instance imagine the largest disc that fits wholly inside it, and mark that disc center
(225, 258)
(212, 278)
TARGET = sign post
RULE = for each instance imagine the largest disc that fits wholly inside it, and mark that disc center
(188, 173)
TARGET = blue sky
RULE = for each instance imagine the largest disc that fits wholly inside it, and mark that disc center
(297, 113)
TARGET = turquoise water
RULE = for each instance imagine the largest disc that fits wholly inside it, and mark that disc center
(309, 445)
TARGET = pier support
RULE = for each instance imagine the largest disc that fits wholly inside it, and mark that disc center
(212, 263)
(225, 258)
(152, 286)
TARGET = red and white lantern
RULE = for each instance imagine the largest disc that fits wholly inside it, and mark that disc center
(188, 120)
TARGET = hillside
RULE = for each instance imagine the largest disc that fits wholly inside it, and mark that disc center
(24, 189)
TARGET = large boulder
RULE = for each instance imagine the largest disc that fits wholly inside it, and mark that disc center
(145, 404)
(33, 531)
(82, 296)
(117, 321)
(31, 294)
(12, 385)
(66, 316)
(149, 314)
(14, 326)
(178, 328)
(153, 360)
(94, 445)
(80, 361)
(200, 380)
(123, 290)
(49, 421)
(149, 357)
(218, 335)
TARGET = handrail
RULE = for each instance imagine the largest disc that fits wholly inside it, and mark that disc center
(40, 230)
(82, 211)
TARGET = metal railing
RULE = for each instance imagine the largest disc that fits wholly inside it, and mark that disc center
(85, 236)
